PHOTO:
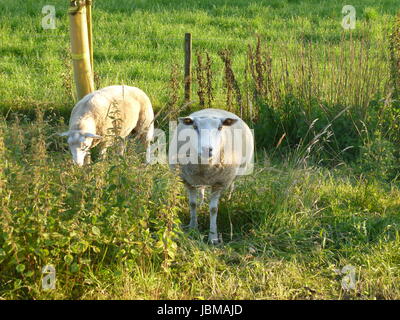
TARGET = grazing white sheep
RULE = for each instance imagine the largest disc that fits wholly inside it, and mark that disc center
(91, 120)
(210, 148)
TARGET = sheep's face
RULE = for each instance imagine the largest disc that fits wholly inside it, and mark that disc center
(79, 144)
(208, 135)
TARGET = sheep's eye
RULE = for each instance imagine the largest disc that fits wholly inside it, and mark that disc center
(188, 121)
(220, 128)
(194, 127)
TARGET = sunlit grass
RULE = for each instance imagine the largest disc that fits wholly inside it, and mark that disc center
(136, 42)
(113, 230)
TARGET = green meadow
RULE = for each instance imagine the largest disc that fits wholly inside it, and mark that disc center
(318, 219)
(137, 42)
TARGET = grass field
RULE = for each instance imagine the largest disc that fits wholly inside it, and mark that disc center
(325, 193)
(137, 42)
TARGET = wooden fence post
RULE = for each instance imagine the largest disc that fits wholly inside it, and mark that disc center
(90, 30)
(188, 66)
(80, 47)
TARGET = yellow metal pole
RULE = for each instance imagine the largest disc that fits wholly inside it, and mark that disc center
(80, 48)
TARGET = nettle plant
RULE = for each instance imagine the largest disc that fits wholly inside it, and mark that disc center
(111, 215)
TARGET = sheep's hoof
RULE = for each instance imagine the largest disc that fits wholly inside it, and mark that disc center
(213, 240)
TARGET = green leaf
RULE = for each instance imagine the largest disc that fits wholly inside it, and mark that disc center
(20, 268)
(111, 188)
(17, 283)
(79, 247)
(68, 259)
(29, 274)
(84, 261)
(96, 231)
(74, 267)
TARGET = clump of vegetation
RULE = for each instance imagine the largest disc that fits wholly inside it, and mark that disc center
(378, 158)
(231, 84)
(173, 87)
(204, 76)
(201, 81)
(112, 230)
(395, 57)
(370, 14)
(79, 220)
(209, 77)
(260, 67)
(66, 75)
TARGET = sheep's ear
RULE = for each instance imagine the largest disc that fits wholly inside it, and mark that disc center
(229, 121)
(186, 120)
(91, 135)
(63, 134)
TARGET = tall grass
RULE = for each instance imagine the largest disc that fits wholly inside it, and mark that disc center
(112, 229)
(150, 34)
(302, 93)
(395, 57)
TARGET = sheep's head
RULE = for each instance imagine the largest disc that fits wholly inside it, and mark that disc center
(207, 135)
(79, 144)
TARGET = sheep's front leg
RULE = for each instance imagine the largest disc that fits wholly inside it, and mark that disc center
(121, 147)
(103, 149)
(88, 159)
(192, 204)
(214, 200)
(202, 191)
(103, 152)
(148, 152)
(146, 140)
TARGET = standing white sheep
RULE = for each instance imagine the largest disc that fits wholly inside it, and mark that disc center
(94, 117)
(210, 148)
